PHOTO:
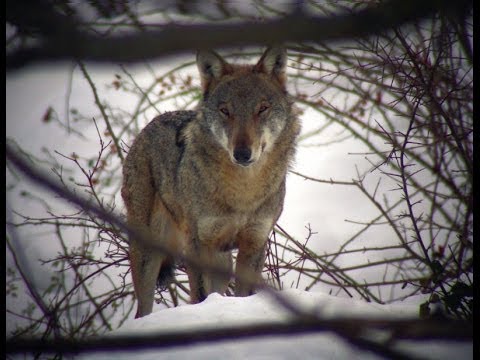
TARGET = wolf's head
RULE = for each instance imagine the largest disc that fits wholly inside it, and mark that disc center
(246, 107)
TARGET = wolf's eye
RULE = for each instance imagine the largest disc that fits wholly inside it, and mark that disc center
(262, 109)
(224, 111)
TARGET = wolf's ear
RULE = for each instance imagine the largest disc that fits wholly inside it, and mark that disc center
(274, 63)
(211, 67)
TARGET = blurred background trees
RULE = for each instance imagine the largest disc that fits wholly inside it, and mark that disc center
(400, 99)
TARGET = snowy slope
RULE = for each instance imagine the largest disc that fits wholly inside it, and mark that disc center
(219, 311)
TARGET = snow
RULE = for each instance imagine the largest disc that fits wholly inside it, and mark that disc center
(219, 311)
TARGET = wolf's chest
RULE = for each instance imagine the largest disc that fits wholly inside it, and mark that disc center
(226, 232)
(243, 191)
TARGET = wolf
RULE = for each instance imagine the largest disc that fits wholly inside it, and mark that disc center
(207, 181)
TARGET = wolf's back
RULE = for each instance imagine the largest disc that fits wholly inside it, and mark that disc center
(160, 146)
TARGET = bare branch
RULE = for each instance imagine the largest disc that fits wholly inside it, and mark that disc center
(68, 42)
(354, 330)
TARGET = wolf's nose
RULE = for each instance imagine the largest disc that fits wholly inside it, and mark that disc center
(242, 155)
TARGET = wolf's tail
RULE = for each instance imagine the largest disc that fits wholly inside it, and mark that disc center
(166, 275)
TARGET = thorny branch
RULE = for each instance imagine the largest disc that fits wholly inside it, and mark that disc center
(102, 109)
(13, 243)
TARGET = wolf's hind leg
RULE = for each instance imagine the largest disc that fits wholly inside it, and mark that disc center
(145, 265)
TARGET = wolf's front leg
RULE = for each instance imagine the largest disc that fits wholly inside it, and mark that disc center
(250, 261)
(204, 282)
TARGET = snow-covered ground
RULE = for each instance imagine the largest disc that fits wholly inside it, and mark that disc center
(218, 311)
